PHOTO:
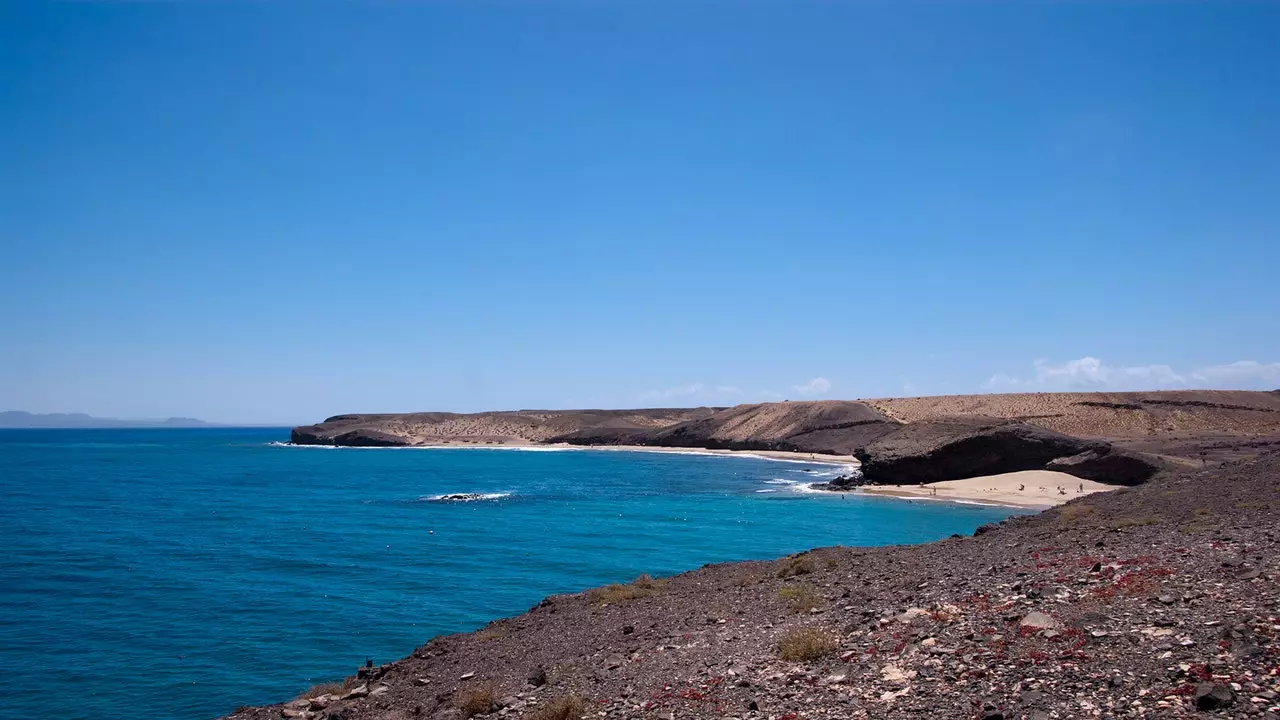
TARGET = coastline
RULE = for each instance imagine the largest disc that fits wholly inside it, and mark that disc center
(732, 637)
(1040, 491)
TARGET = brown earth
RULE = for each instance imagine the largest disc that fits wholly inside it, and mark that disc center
(1198, 425)
(513, 426)
(830, 427)
(1157, 601)
(1195, 424)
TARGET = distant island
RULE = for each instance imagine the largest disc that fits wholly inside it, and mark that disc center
(21, 419)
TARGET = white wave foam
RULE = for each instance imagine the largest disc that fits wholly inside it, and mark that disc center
(463, 497)
(768, 490)
(277, 443)
(781, 481)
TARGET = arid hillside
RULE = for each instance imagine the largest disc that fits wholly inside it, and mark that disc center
(835, 427)
(1106, 415)
(1199, 425)
(515, 426)
(1196, 425)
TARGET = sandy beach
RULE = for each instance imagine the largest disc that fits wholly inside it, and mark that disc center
(1029, 488)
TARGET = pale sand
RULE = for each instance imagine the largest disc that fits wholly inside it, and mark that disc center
(1040, 489)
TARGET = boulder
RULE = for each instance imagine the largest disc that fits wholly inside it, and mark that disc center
(956, 448)
(1211, 696)
(844, 483)
(1110, 465)
(1039, 621)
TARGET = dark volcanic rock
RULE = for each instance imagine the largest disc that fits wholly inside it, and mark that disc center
(368, 438)
(309, 435)
(1211, 696)
(952, 449)
(844, 483)
(1120, 467)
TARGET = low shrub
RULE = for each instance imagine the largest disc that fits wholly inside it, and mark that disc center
(801, 596)
(799, 565)
(806, 644)
(475, 701)
(565, 707)
(643, 586)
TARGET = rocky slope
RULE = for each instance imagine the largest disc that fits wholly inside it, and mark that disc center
(833, 427)
(528, 426)
(1155, 601)
(1210, 424)
(956, 448)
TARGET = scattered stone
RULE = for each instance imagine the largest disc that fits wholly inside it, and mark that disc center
(1037, 620)
(1211, 696)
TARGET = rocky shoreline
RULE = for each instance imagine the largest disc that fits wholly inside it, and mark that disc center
(1159, 600)
(1116, 438)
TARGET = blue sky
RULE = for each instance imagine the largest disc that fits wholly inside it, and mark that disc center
(274, 214)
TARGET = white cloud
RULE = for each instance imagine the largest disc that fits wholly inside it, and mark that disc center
(1250, 372)
(728, 390)
(1090, 373)
(816, 386)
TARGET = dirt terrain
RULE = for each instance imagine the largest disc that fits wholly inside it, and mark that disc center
(1196, 425)
(1155, 601)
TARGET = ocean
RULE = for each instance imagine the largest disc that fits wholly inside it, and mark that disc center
(169, 573)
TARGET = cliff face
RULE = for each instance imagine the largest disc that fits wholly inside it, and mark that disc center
(518, 426)
(1123, 438)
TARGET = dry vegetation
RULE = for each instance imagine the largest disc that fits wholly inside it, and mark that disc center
(793, 566)
(643, 586)
(476, 701)
(333, 688)
(807, 644)
(565, 707)
(802, 597)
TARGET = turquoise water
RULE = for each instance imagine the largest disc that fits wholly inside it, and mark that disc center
(181, 573)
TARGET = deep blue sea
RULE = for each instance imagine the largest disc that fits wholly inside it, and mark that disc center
(182, 573)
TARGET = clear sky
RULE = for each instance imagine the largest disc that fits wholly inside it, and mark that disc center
(275, 214)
